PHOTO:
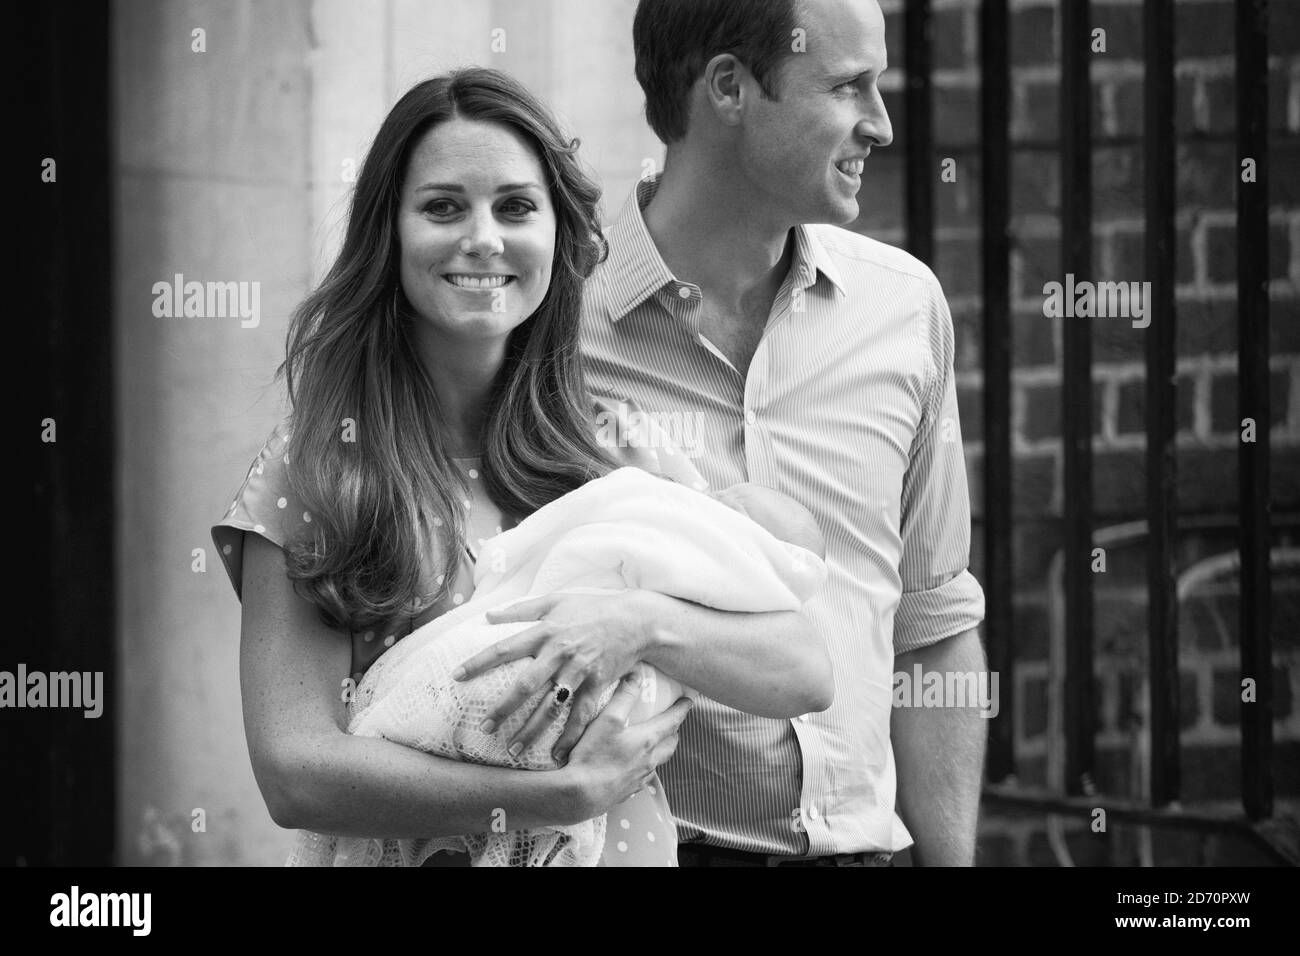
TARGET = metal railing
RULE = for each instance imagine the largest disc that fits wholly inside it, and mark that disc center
(1074, 793)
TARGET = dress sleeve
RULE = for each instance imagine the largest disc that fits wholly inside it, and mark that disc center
(651, 442)
(264, 505)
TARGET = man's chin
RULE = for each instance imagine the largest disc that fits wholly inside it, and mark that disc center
(841, 212)
(832, 210)
(838, 207)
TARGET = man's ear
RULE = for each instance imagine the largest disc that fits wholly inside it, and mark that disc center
(724, 88)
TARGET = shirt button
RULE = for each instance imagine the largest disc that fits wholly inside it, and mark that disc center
(684, 292)
(812, 812)
(804, 718)
(750, 417)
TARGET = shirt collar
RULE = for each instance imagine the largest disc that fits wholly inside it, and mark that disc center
(810, 258)
(634, 270)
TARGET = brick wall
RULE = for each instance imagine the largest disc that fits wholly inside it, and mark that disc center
(1206, 176)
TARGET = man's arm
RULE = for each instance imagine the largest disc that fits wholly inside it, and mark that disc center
(939, 755)
(938, 751)
(771, 664)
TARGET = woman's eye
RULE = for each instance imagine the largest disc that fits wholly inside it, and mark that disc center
(518, 207)
(440, 207)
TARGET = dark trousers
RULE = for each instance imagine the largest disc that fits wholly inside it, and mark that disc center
(697, 854)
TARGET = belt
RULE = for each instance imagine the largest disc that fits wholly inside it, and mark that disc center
(699, 854)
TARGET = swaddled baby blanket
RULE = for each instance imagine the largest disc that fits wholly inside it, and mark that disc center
(628, 529)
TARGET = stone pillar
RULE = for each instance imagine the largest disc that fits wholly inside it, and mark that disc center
(211, 184)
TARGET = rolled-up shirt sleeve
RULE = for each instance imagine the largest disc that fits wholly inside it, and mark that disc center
(941, 598)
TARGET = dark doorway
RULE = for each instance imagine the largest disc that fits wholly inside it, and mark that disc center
(64, 583)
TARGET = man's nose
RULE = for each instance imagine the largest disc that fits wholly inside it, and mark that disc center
(482, 238)
(875, 125)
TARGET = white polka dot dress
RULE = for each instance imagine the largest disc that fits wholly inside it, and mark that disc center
(639, 831)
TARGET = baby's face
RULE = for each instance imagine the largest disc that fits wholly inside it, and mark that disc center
(756, 501)
(778, 513)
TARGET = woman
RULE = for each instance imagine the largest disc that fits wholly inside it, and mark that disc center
(437, 398)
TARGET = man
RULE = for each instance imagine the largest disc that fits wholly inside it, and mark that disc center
(817, 362)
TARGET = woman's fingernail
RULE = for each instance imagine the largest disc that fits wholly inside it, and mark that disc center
(488, 726)
(559, 755)
(458, 673)
(515, 748)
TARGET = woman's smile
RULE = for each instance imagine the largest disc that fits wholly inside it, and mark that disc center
(472, 282)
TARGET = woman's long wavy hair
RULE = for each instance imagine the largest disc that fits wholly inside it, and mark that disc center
(381, 491)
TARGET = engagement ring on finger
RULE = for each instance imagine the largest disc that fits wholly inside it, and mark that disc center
(562, 693)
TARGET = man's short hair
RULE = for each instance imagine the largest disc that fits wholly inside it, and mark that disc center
(675, 39)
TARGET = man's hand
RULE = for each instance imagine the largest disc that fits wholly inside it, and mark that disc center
(583, 642)
(939, 755)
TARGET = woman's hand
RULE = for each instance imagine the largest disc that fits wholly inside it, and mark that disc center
(583, 643)
(613, 760)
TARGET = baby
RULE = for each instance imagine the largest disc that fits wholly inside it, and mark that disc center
(777, 513)
(745, 548)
